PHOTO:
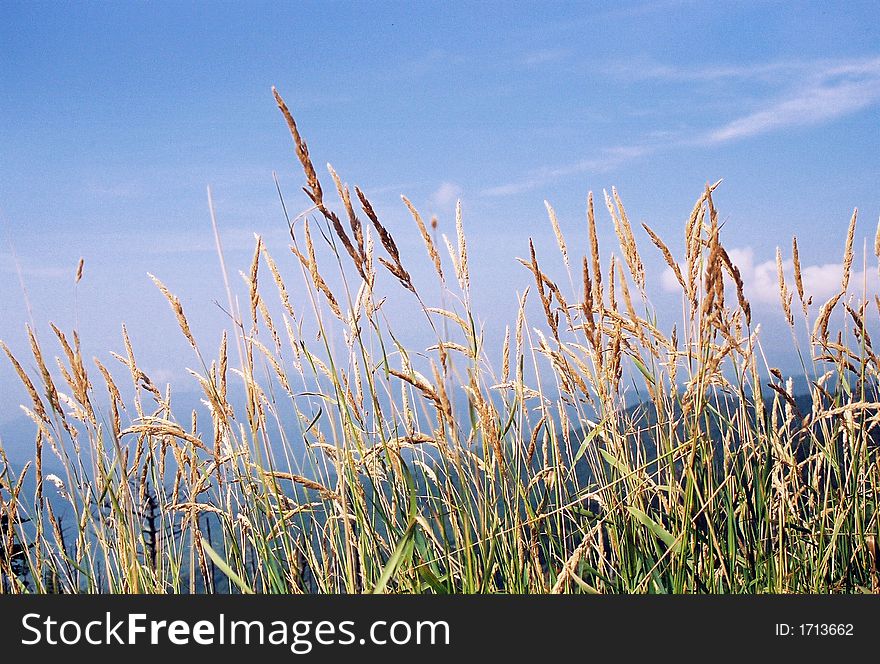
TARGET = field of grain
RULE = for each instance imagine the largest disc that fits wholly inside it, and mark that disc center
(338, 459)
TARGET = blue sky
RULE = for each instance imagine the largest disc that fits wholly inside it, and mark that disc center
(115, 117)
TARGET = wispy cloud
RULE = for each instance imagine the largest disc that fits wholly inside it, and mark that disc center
(28, 268)
(395, 189)
(765, 97)
(116, 189)
(801, 92)
(607, 159)
(831, 93)
(654, 71)
(645, 8)
(545, 56)
(427, 63)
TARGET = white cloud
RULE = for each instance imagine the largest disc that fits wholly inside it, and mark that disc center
(162, 376)
(820, 281)
(446, 194)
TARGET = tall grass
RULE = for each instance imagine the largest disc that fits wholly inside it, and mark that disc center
(339, 459)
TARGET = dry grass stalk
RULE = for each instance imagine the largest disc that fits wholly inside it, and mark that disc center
(798, 276)
(302, 152)
(505, 356)
(820, 327)
(667, 255)
(304, 481)
(311, 264)
(560, 239)
(463, 273)
(279, 282)
(156, 426)
(488, 418)
(177, 308)
(588, 304)
(784, 294)
(39, 408)
(627, 301)
(736, 275)
(253, 292)
(598, 297)
(848, 252)
(877, 240)
(48, 383)
(533, 439)
(612, 288)
(115, 397)
(626, 239)
(394, 266)
(420, 384)
(433, 254)
(541, 282)
(78, 379)
(693, 239)
(358, 255)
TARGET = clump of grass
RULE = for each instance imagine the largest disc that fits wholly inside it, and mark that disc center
(337, 459)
